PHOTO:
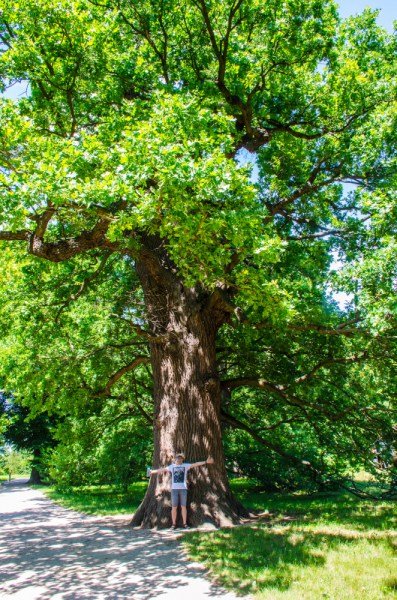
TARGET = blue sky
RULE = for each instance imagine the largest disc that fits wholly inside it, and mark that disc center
(387, 15)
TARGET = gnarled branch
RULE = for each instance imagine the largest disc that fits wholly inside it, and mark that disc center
(21, 236)
(338, 330)
(281, 392)
(311, 236)
(158, 339)
(290, 457)
(87, 280)
(139, 360)
(330, 361)
(43, 219)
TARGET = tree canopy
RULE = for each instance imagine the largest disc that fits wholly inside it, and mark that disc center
(126, 164)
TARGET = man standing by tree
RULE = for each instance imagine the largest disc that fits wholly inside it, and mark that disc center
(179, 485)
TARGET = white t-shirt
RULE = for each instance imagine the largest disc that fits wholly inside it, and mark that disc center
(178, 474)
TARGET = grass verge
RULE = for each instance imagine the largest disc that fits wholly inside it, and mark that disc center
(5, 477)
(314, 547)
(99, 499)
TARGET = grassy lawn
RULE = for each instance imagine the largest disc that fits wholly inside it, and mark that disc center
(99, 499)
(308, 547)
(5, 477)
(323, 546)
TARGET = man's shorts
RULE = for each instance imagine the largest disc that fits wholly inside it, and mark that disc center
(178, 495)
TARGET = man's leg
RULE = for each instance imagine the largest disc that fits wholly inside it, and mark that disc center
(174, 504)
(183, 498)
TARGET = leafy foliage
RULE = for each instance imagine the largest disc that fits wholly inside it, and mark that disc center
(15, 462)
(138, 115)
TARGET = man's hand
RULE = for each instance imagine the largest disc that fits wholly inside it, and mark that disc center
(209, 460)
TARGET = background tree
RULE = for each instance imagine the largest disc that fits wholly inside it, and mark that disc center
(3, 419)
(100, 449)
(14, 462)
(121, 174)
(34, 434)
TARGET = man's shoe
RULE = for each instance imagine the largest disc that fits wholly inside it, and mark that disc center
(173, 527)
(186, 526)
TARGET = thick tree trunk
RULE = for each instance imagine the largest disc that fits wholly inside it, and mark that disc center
(35, 478)
(187, 402)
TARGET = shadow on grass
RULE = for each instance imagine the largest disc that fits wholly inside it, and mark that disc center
(298, 537)
(345, 509)
(362, 518)
(99, 500)
(256, 558)
(251, 553)
(391, 584)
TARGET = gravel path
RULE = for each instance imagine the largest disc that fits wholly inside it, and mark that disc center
(47, 551)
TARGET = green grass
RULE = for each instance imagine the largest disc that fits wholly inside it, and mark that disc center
(5, 477)
(332, 546)
(99, 499)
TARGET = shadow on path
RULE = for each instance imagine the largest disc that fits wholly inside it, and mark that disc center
(47, 551)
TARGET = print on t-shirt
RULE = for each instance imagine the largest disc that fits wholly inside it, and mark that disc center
(179, 475)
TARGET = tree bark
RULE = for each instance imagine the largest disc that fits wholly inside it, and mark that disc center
(35, 478)
(187, 401)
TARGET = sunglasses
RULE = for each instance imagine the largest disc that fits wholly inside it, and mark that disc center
(179, 457)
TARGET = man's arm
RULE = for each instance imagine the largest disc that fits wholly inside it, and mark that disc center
(209, 461)
(159, 470)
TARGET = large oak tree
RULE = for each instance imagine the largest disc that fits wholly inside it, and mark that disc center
(129, 151)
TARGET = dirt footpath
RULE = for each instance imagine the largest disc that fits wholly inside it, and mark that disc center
(47, 551)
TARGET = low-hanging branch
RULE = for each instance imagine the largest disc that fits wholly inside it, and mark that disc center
(125, 415)
(43, 220)
(220, 299)
(158, 339)
(310, 236)
(281, 392)
(142, 411)
(138, 360)
(294, 419)
(63, 249)
(319, 476)
(330, 361)
(290, 457)
(83, 286)
(338, 330)
(96, 238)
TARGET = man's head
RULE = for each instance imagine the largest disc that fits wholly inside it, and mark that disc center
(179, 458)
